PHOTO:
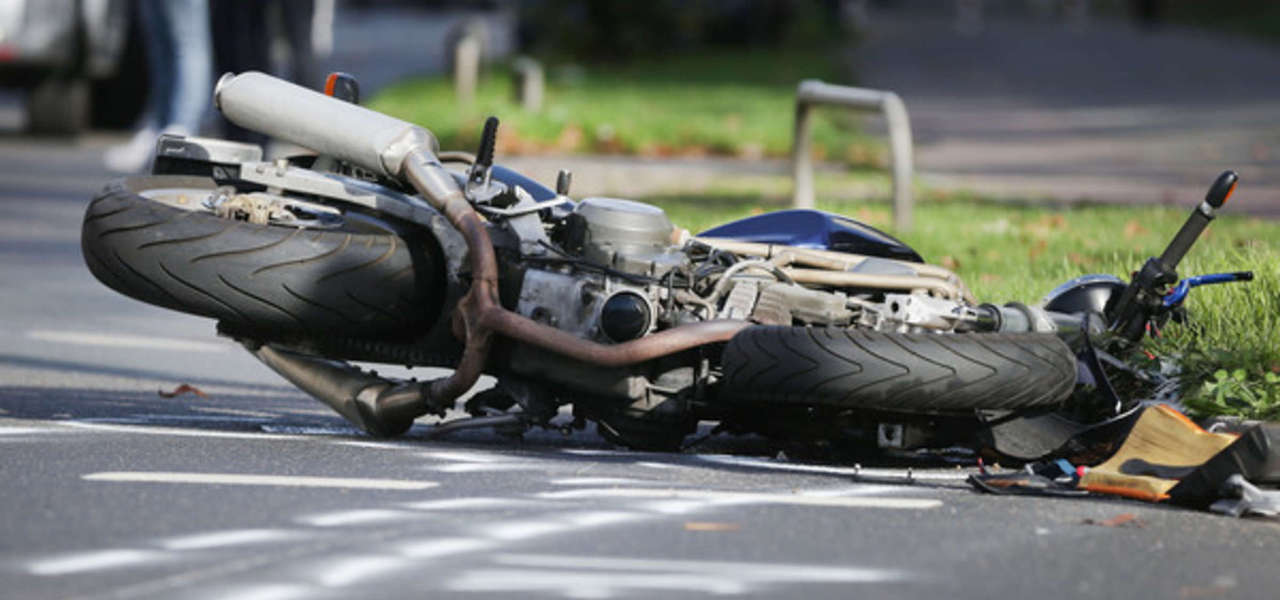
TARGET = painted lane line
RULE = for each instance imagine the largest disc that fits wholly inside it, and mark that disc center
(92, 561)
(605, 452)
(24, 430)
(236, 411)
(378, 445)
(104, 425)
(444, 547)
(744, 570)
(263, 480)
(477, 503)
(309, 430)
(486, 467)
(170, 418)
(346, 571)
(469, 457)
(590, 585)
(605, 577)
(726, 497)
(593, 481)
(221, 539)
(522, 530)
(120, 340)
(354, 517)
(267, 591)
(588, 520)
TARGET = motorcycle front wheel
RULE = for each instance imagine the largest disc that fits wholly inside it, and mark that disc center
(912, 373)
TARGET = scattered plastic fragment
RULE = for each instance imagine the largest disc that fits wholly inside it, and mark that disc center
(183, 389)
(1243, 499)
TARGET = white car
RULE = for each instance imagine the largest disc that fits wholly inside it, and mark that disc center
(54, 49)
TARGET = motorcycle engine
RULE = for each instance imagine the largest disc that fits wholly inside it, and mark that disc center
(632, 237)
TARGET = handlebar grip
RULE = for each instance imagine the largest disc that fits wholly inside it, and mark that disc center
(326, 125)
(1199, 219)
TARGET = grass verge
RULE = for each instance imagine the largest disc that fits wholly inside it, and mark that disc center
(734, 104)
(1230, 353)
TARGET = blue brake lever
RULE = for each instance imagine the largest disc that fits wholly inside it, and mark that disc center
(1179, 292)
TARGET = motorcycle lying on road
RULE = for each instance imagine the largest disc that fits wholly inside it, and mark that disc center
(795, 325)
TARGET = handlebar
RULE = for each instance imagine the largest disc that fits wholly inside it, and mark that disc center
(1144, 298)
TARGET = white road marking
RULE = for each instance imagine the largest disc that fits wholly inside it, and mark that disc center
(309, 429)
(220, 539)
(659, 465)
(485, 467)
(378, 445)
(121, 340)
(605, 577)
(604, 481)
(353, 517)
(603, 452)
(235, 411)
(470, 457)
(749, 570)
(92, 561)
(674, 507)
(268, 591)
(602, 518)
(22, 430)
(170, 418)
(444, 547)
(477, 503)
(521, 530)
(100, 425)
(727, 497)
(346, 571)
(266, 480)
(589, 585)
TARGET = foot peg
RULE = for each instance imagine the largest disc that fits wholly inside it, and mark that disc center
(378, 406)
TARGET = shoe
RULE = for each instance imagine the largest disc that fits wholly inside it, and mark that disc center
(134, 155)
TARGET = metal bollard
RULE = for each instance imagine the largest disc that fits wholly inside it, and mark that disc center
(529, 83)
(812, 92)
(466, 65)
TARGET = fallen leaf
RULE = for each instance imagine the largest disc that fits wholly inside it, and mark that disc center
(1133, 229)
(949, 262)
(1121, 520)
(710, 526)
(1037, 249)
(183, 389)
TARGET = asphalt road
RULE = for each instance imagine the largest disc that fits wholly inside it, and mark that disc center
(108, 490)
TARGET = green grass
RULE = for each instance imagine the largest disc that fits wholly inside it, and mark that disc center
(728, 103)
(1018, 252)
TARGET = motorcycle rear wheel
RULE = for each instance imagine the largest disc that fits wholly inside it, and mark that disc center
(355, 280)
(911, 373)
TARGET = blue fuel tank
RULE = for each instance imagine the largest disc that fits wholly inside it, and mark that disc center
(805, 228)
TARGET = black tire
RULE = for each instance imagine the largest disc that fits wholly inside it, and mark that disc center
(916, 373)
(58, 106)
(351, 282)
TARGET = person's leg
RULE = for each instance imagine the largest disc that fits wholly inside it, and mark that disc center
(188, 32)
(239, 40)
(296, 17)
(132, 156)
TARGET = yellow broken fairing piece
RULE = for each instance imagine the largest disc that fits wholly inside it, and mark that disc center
(1162, 442)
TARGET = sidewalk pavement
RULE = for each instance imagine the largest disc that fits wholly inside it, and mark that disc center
(1038, 108)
